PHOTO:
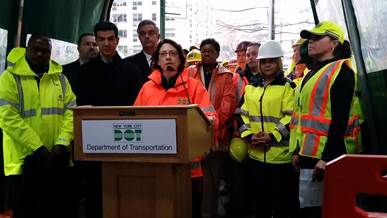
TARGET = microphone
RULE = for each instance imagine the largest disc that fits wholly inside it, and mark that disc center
(170, 68)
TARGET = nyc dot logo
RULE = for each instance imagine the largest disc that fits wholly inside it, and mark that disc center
(127, 132)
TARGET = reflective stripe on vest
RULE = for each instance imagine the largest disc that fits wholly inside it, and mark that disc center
(5, 102)
(239, 89)
(71, 104)
(52, 111)
(21, 95)
(46, 111)
(244, 127)
(63, 83)
(241, 111)
(264, 119)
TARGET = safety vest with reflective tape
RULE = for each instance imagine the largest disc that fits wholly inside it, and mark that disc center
(271, 106)
(311, 118)
(33, 115)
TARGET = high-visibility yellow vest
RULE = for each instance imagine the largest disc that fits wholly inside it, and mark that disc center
(311, 118)
(32, 115)
(271, 106)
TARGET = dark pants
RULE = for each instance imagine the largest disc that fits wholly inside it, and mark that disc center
(240, 194)
(197, 197)
(45, 194)
(215, 166)
(91, 177)
(275, 189)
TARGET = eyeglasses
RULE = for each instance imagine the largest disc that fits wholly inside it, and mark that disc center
(170, 53)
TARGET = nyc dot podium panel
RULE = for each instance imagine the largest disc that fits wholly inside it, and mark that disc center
(146, 155)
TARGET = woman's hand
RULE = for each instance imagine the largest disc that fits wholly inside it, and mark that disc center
(296, 162)
(261, 138)
(319, 170)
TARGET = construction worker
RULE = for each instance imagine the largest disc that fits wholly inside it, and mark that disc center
(238, 148)
(193, 57)
(325, 121)
(241, 54)
(297, 68)
(169, 84)
(218, 81)
(263, 121)
(37, 122)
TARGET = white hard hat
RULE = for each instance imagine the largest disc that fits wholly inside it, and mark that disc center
(270, 49)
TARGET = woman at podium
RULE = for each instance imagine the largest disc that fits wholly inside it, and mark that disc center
(169, 84)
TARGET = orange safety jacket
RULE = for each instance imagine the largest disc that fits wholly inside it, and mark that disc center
(223, 97)
(153, 93)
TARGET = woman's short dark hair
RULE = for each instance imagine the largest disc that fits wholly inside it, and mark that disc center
(212, 42)
(155, 57)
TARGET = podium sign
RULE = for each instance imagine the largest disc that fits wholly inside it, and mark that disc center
(129, 136)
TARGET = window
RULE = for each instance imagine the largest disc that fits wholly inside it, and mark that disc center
(122, 33)
(154, 17)
(119, 18)
(169, 35)
(3, 48)
(153, 2)
(135, 37)
(123, 49)
(137, 17)
(135, 4)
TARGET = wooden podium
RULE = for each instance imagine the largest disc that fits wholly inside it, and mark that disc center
(139, 183)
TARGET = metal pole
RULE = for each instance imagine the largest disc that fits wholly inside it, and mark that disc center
(19, 23)
(313, 5)
(162, 19)
(271, 21)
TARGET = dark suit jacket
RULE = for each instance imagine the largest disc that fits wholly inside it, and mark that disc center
(71, 71)
(140, 61)
(108, 84)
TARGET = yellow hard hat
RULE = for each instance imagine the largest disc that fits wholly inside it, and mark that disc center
(325, 28)
(194, 55)
(238, 149)
(225, 63)
(299, 41)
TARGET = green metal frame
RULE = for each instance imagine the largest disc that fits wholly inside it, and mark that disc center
(368, 105)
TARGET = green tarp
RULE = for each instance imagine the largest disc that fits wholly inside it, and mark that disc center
(60, 19)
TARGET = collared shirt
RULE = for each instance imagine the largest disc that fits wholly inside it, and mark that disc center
(148, 58)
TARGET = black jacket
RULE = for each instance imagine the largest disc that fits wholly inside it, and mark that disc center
(141, 62)
(107, 84)
(71, 71)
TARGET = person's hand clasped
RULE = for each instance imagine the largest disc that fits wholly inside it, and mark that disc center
(261, 138)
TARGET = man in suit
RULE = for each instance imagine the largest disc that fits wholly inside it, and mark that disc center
(88, 50)
(106, 80)
(149, 36)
